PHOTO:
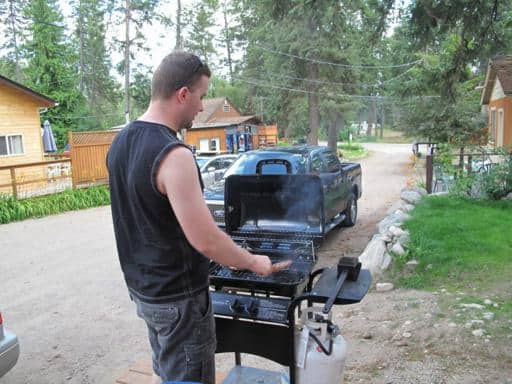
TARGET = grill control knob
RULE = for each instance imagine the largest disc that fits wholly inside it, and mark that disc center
(253, 307)
(237, 306)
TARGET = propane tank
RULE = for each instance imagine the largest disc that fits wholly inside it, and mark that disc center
(320, 350)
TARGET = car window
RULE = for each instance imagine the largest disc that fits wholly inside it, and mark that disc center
(317, 164)
(217, 164)
(332, 162)
(246, 164)
(201, 161)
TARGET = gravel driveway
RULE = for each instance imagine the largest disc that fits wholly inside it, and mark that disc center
(63, 294)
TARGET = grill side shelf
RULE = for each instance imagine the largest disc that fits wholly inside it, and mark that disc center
(351, 291)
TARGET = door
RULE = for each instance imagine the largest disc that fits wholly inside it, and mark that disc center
(338, 182)
(499, 138)
(319, 168)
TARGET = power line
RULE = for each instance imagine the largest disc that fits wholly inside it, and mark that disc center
(362, 66)
(258, 83)
(363, 85)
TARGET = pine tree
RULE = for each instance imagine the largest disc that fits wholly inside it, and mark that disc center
(12, 18)
(51, 64)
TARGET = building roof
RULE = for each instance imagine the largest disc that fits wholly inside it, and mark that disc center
(43, 100)
(226, 121)
(210, 106)
(500, 68)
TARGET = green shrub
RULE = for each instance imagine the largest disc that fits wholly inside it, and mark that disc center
(12, 209)
(498, 182)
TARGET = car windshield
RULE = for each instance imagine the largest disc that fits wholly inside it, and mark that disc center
(201, 161)
(246, 164)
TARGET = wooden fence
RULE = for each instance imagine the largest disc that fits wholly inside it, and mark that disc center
(35, 179)
(463, 163)
(88, 156)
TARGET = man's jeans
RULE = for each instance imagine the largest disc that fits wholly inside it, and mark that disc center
(182, 337)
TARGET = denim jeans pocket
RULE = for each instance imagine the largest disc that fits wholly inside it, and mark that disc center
(200, 362)
(158, 316)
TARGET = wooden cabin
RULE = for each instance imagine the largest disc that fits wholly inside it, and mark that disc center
(221, 128)
(20, 126)
(497, 101)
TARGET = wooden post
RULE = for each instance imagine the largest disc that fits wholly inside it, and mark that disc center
(430, 172)
(71, 150)
(13, 182)
(470, 160)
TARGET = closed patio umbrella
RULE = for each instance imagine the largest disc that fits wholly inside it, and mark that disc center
(48, 139)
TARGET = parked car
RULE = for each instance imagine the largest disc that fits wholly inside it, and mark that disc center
(212, 168)
(341, 182)
(9, 349)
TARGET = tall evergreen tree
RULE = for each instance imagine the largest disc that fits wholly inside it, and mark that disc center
(133, 14)
(51, 64)
(12, 18)
(96, 82)
(200, 38)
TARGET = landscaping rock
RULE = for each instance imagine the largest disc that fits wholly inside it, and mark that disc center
(397, 249)
(384, 287)
(488, 315)
(405, 239)
(372, 257)
(396, 231)
(395, 219)
(421, 191)
(472, 305)
(411, 265)
(410, 196)
(508, 197)
(478, 332)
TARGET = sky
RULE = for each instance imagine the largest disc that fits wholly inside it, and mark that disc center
(159, 40)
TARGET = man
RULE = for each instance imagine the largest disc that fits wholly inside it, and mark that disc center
(164, 231)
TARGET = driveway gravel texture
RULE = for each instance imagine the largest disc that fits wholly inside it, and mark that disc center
(62, 292)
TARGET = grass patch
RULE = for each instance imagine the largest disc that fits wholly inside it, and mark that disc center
(459, 243)
(12, 209)
(351, 151)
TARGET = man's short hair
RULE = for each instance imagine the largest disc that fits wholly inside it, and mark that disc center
(177, 70)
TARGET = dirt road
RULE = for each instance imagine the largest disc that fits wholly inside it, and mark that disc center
(62, 292)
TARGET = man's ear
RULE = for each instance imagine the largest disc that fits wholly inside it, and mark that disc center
(182, 93)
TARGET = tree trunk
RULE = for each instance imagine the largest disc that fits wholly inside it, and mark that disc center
(228, 44)
(179, 42)
(382, 119)
(371, 117)
(81, 43)
(313, 108)
(332, 137)
(127, 64)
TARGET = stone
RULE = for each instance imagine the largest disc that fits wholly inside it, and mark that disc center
(507, 197)
(397, 249)
(407, 335)
(394, 219)
(488, 315)
(452, 325)
(396, 231)
(384, 287)
(405, 239)
(421, 191)
(487, 302)
(411, 265)
(367, 336)
(472, 306)
(473, 324)
(386, 262)
(372, 257)
(411, 197)
(478, 332)
(408, 207)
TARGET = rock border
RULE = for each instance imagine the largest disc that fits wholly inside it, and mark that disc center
(391, 239)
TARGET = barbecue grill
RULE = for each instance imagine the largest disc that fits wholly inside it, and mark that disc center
(280, 216)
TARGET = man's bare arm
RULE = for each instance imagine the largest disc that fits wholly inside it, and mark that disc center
(177, 178)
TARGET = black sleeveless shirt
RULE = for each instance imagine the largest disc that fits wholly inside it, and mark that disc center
(158, 262)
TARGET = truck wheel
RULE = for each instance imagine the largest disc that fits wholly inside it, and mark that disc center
(350, 212)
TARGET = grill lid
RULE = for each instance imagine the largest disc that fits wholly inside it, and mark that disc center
(283, 205)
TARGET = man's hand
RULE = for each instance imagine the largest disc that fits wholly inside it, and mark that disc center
(261, 265)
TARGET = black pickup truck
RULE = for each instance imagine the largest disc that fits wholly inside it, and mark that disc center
(331, 187)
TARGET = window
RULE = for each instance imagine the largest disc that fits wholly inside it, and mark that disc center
(11, 145)
(226, 108)
(317, 165)
(492, 130)
(330, 158)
